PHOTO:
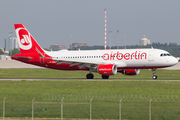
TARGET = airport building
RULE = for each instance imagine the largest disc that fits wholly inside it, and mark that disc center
(144, 41)
(57, 47)
(11, 43)
(78, 45)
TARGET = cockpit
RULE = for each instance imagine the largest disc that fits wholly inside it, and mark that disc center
(165, 54)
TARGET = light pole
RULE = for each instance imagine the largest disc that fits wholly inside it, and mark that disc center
(125, 41)
(110, 37)
(71, 42)
(117, 39)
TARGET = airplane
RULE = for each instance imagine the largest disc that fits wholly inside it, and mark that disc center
(105, 62)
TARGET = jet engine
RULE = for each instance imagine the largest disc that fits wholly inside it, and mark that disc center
(109, 69)
(131, 71)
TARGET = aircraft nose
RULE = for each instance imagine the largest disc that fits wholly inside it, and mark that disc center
(174, 61)
(171, 61)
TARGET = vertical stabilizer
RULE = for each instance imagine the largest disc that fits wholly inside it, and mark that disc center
(26, 42)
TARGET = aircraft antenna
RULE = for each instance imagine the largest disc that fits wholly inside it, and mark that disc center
(105, 30)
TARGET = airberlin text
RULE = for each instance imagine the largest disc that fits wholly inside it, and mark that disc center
(126, 56)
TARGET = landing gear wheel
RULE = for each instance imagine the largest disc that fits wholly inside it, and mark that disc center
(154, 77)
(105, 76)
(89, 76)
(154, 72)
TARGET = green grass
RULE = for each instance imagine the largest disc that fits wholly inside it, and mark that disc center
(105, 94)
(50, 73)
(19, 95)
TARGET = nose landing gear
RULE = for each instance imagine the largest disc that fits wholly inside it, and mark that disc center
(154, 72)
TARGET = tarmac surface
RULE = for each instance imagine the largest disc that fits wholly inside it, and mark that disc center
(15, 64)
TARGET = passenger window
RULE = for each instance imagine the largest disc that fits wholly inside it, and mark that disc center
(165, 54)
(161, 55)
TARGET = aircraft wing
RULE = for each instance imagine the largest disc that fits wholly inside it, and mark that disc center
(89, 64)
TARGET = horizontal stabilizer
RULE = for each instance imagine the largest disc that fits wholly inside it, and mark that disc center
(28, 58)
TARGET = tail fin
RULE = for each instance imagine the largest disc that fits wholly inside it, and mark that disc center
(27, 43)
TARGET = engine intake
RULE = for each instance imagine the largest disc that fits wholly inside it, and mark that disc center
(131, 71)
(109, 69)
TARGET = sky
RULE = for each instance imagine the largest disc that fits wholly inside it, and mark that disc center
(64, 22)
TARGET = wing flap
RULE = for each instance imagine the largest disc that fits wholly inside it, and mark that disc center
(88, 64)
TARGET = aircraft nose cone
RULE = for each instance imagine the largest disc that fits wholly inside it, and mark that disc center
(174, 61)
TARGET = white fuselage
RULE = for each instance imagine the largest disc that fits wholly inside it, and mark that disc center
(123, 58)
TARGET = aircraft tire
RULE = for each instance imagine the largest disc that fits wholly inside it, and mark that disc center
(154, 77)
(105, 76)
(89, 76)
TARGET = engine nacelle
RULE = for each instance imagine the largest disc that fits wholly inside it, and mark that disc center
(109, 69)
(131, 71)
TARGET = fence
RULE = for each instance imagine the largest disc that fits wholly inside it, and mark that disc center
(94, 106)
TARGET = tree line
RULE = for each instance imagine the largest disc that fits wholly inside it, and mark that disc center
(172, 48)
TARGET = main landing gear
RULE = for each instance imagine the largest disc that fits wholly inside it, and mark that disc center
(90, 76)
(105, 76)
(154, 72)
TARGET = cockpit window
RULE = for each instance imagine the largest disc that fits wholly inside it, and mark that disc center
(165, 54)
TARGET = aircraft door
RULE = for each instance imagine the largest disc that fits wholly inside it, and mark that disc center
(151, 56)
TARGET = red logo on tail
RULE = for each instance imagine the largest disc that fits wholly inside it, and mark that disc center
(24, 39)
